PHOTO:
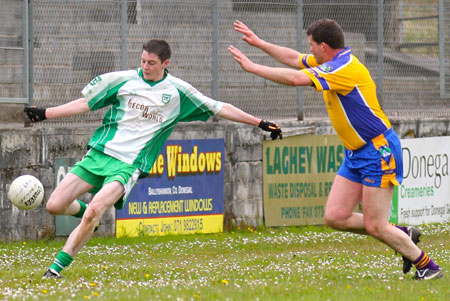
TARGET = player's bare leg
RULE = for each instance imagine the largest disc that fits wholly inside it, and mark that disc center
(62, 201)
(343, 198)
(345, 195)
(104, 199)
(376, 206)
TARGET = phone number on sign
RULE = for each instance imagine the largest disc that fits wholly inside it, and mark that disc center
(193, 224)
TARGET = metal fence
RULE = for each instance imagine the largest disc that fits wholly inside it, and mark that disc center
(444, 47)
(14, 54)
(398, 40)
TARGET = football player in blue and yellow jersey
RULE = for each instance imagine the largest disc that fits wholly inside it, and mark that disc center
(373, 161)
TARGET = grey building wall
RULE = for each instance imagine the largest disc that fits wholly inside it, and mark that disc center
(33, 151)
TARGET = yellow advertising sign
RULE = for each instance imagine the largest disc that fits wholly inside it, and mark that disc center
(298, 174)
(170, 225)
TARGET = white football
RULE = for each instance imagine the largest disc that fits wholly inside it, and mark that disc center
(26, 192)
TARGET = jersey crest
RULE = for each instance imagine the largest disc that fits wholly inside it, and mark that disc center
(166, 98)
(325, 68)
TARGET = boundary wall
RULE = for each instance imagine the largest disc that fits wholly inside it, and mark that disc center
(33, 151)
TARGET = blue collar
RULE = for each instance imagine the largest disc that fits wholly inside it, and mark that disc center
(345, 51)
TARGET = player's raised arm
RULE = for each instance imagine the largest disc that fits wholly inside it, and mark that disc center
(284, 55)
(232, 113)
(72, 108)
(285, 76)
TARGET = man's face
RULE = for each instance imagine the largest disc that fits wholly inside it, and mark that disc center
(317, 50)
(152, 67)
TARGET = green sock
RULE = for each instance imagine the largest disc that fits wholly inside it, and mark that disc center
(83, 207)
(62, 260)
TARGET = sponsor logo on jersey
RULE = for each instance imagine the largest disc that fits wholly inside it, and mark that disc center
(153, 116)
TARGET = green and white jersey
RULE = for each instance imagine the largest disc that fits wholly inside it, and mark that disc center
(142, 114)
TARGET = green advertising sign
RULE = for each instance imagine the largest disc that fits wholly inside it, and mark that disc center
(298, 174)
(64, 224)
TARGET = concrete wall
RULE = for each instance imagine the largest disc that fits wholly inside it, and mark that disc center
(33, 151)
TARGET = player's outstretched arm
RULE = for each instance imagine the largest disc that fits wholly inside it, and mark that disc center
(284, 55)
(232, 113)
(72, 108)
(285, 76)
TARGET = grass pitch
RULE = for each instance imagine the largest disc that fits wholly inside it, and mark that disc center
(294, 263)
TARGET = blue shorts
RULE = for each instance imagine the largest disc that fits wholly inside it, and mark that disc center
(378, 163)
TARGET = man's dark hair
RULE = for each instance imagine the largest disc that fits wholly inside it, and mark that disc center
(159, 47)
(328, 31)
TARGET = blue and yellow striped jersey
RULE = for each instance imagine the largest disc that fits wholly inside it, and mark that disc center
(350, 96)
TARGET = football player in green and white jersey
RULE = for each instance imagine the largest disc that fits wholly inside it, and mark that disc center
(145, 105)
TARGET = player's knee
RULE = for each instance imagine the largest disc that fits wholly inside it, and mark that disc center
(373, 229)
(53, 206)
(331, 220)
(336, 219)
(92, 214)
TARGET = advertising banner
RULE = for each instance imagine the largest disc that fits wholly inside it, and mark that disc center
(183, 193)
(298, 172)
(64, 224)
(424, 195)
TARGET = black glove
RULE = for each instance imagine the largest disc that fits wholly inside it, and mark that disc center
(273, 128)
(35, 114)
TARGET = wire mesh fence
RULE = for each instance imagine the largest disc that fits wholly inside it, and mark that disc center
(76, 40)
(13, 84)
(444, 47)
